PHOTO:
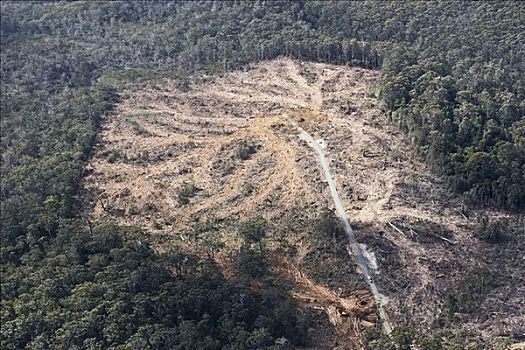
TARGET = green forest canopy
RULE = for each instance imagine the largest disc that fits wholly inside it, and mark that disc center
(452, 79)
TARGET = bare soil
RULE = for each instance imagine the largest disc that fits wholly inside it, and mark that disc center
(176, 161)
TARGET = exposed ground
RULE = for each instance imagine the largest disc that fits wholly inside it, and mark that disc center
(190, 165)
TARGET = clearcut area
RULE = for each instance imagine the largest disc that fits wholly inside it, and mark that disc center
(192, 164)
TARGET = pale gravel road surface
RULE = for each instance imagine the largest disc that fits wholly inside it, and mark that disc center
(341, 213)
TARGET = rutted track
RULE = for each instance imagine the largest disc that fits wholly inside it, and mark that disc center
(360, 260)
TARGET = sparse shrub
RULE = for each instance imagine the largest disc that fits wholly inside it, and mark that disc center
(113, 156)
(184, 85)
(471, 291)
(139, 129)
(404, 337)
(246, 149)
(247, 189)
(253, 232)
(157, 225)
(142, 158)
(118, 178)
(348, 108)
(328, 262)
(329, 226)
(211, 241)
(185, 192)
(493, 231)
(133, 210)
(431, 343)
(375, 340)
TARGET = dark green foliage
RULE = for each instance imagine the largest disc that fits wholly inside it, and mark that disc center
(461, 98)
(452, 79)
(454, 87)
(43, 150)
(250, 264)
(251, 261)
(402, 338)
(96, 287)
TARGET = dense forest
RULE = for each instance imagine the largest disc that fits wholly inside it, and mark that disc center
(452, 79)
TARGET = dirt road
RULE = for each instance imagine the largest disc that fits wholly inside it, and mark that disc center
(361, 261)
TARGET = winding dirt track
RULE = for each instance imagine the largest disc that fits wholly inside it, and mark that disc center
(360, 259)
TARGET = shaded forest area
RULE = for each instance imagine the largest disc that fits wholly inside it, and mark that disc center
(452, 79)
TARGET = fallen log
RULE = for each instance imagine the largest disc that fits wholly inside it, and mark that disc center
(396, 228)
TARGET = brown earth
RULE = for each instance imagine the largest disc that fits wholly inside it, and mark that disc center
(182, 162)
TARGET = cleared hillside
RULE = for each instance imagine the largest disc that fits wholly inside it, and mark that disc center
(451, 80)
(191, 164)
